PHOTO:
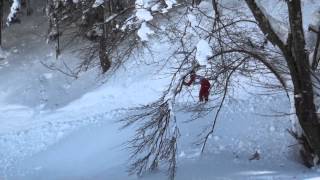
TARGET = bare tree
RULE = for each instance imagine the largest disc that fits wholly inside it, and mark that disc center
(98, 23)
(286, 59)
(301, 73)
(260, 50)
(155, 141)
(53, 8)
(1, 20)
(28, 7)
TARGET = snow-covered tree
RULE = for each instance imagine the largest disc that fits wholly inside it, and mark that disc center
(96, 20)
(244, 40)
(300, 64)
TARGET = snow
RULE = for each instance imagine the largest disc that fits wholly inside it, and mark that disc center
(315, 178)
(48, 75)
(193, 20)
(311, 17)
(146, 4)
(278, 26)
(204, 51)
(170, 3)
(144, 32)
(144, 15)
(97, 3)
(205, 6)
(13, 10)
(3, 55)
(155, 7)
(315, 17)
(56, 127)
(310, 13)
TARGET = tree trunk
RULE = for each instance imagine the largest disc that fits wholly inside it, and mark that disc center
(1, 21)
(28, 7)
(294, 52)
(195, 2)
(306, 113)
(57, 38)
(103, 56)
(303, 86)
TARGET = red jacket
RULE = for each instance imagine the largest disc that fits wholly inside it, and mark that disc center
(205, 86)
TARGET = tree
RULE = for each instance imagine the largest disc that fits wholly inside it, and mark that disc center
(12, 16)
(1, 20)
(296, 56)
(28, 6)
(53, 8)
(296, 69)
(243, 44)
(103, 23)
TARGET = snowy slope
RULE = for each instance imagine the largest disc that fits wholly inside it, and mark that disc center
(96, 151)
(39, 107)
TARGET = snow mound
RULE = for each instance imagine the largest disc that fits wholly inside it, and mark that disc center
(3, 54)
(169, 4)
(204, 51)
(97, 3)
(144, 31)
(144, 15)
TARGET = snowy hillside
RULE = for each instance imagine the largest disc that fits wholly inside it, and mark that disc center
(57, 127)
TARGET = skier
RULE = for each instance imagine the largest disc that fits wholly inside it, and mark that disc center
(204, 85)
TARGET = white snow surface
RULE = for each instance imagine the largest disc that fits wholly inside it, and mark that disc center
(156, 7)
(204, 51)
(97, 3)
(143, 4)
(60, 128)
(144, 15)
(3, 57)
(170, 3)
(193, 20)
(144, 32)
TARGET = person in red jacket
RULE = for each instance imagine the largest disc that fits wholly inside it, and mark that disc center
(204, 85)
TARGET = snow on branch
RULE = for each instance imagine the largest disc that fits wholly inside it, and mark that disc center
(155, 140)
(15, 7)
(145, 11)
(169, 4)
(97, 3)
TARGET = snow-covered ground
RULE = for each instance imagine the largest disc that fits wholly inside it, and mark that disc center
(57, 127)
